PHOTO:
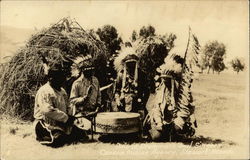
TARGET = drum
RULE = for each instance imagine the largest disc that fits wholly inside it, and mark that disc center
(117, 122)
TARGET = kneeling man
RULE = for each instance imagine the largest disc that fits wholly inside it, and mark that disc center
(53, 126)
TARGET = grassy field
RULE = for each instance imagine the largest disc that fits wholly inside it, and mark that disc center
(222, 132)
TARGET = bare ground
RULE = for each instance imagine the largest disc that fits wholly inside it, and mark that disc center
(221, 112)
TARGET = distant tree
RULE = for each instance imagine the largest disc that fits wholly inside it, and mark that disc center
(147, 31)
(169, 40)
(143, 31)
(213, 56)
(134, 36)
(218, 64)
(238, 65)
(202, 62)
(108, 34)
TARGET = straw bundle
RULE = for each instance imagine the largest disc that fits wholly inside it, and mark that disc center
(24, 74)
(151, 52)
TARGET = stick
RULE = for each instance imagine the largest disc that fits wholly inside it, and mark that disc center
(106, 87)
(183, 64)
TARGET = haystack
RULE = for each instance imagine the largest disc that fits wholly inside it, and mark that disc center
(24, 74)
(151, 52)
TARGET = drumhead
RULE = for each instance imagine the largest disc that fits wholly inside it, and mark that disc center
(117, 115)
(117, 122)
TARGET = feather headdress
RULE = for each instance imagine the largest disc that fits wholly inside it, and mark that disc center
(172, 65)
(125, 54)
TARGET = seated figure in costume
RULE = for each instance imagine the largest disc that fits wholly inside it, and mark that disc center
(170, 108)
(130, 84)
(53, 125)
(85, 95)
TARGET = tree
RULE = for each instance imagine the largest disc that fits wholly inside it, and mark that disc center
(134, 36)
(147, 31)
(213, 56)
(202, 62)
(169, 40)
(238, 65)
(108, 34)
(218, 64)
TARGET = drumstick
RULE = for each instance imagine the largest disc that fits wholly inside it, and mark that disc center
(89, 114)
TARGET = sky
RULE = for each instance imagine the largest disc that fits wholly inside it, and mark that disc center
(225, 20)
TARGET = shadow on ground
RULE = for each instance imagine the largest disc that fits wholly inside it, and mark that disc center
(134, 138)
(121, 138)
(199, 140)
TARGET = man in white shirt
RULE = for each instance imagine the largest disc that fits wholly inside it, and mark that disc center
(53, 125)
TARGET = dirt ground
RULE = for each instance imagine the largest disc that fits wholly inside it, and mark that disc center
(222, 132)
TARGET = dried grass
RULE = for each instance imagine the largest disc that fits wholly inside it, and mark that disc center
(151, 52)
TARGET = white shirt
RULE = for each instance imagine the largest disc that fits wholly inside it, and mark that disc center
(51, 103)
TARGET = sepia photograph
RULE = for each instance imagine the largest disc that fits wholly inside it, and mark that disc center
(123, 79)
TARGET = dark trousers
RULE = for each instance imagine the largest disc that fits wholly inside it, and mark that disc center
(57, 138)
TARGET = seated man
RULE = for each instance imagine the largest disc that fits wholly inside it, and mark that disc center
(53, 126)
(131, 85)
(170, 108)
(85, 96)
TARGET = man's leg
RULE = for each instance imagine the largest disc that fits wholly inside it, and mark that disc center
(78, 134)
(60, 138)
(43, 135)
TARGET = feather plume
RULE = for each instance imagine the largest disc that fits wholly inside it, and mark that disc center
(184, 94)
(193, 51)
(75, 68)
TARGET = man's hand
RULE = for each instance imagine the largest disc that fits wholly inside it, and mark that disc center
(80, 100)
(117, 100)
(77, 101)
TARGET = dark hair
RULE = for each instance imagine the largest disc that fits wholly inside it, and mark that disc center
(55, 73)
(55, 70)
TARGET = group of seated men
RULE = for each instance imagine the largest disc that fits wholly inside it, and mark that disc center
(55, 112)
